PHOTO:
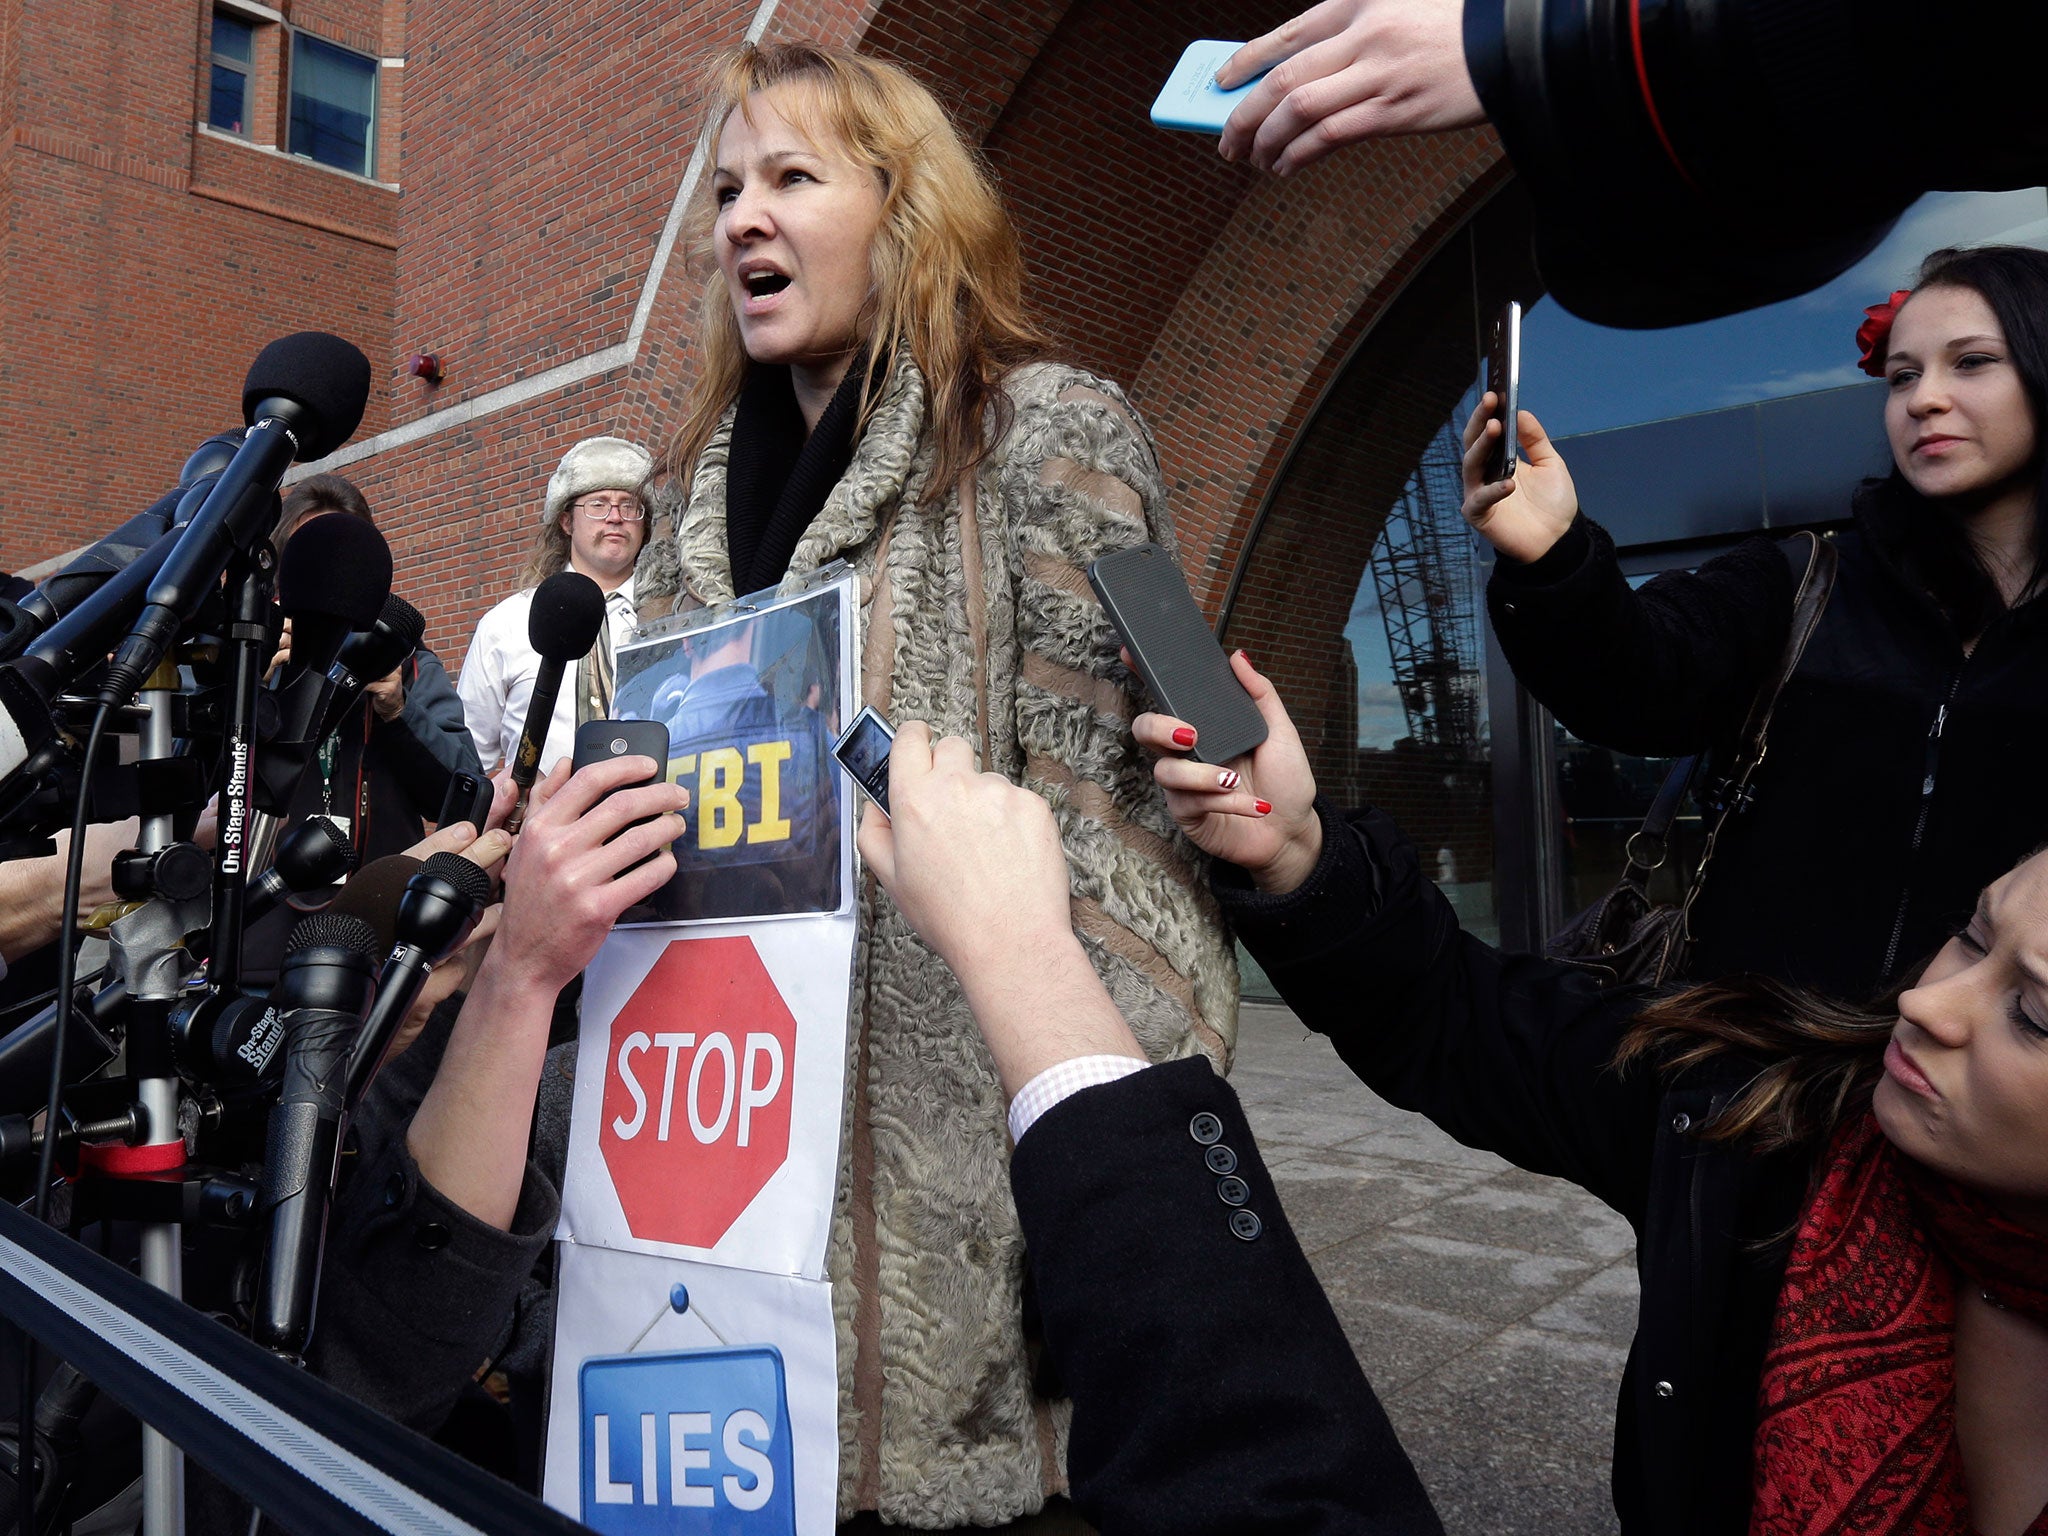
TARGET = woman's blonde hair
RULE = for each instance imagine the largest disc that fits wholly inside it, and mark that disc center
(948, 275)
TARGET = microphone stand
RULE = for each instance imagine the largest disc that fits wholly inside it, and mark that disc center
(248, 642)
(149, 955)
(150, 960)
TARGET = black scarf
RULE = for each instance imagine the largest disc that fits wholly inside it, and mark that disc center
(777, 477)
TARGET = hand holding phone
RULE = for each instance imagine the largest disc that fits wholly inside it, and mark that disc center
(468, 798)
(1147, 599)
(1191, 100)
(599, 741)
(863, 751)
(1504, 380)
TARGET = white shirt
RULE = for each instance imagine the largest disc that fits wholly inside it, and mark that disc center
(498, 674)
(1061, 1081)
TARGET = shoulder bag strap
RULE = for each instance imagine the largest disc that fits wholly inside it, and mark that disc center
(1809, 602)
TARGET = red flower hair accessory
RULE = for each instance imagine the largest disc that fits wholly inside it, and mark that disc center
(1876, 330)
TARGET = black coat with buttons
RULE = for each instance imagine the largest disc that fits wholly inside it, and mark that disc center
(1512, 1054)
(1214, 1392)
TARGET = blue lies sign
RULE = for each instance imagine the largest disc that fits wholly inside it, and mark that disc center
(687, 1444)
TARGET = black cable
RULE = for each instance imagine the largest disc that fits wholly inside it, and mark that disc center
(67, 981)
(27, 1008)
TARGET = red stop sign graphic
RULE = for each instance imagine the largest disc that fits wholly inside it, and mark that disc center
(697, 1090)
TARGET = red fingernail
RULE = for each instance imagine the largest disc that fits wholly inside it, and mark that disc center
(1263, 807)
(1247, 655)
(1184, 736)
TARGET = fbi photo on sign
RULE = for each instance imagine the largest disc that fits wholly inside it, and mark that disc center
(752, 697)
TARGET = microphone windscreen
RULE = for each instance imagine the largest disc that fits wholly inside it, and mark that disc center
(328, 377)
(314, 853)
(568, 611)
(404, 621)
(337, 929)
(372, 896)
(376, 651)
(337, 567)
(468, 878)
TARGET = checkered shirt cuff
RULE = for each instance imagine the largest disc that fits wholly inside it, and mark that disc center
(1062, 1081)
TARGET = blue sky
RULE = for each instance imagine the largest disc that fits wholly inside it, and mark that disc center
(1579, 377)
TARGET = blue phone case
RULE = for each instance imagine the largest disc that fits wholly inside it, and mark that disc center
(1191, 99)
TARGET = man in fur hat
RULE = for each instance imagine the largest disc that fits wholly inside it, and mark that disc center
(593, 521)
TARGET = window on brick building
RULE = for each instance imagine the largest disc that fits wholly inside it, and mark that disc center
(333, 105)
(234, 58)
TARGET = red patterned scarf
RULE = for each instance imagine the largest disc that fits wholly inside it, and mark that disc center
(1856, 1432)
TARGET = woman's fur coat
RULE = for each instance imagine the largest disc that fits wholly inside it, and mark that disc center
(979, 619)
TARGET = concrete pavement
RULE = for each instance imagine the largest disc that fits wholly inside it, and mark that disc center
(1492, 1309)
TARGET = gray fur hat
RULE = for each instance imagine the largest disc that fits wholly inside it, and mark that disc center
(595, 464)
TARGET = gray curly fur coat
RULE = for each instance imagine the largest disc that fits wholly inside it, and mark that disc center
(978, 618)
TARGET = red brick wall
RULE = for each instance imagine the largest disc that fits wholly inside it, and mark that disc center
(541, 154)
(146, 263)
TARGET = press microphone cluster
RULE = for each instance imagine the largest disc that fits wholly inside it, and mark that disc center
(333, 578)
(303, 398)
(566, 618)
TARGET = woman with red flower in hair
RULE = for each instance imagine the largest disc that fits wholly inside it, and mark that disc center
(1903, 770)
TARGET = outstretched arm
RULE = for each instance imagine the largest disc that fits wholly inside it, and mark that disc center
(1666, 670)
(1345, 71)
(1157, 1244)
(568, 878)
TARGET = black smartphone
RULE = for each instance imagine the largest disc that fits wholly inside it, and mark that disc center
(1504, 378)
(863, 751)
(1147, 599)
(468, 799)
(599, 741)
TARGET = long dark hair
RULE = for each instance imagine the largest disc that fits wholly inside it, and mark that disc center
(1817, 1060)
(2013, 280)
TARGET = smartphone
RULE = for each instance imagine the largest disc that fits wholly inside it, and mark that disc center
(863, 751)
(1147, 599)
(468, 799)
(1191, 100)
(599, 741)
(1504, 378)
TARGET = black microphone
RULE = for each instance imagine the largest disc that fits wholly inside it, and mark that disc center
(333, 578)
(139, 540)
(303, 399)
(377, 652)
(229, 1038)
(324, 988)
(374, 895)
(564, 623)
(312, 854)
(440, 905)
